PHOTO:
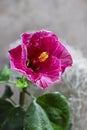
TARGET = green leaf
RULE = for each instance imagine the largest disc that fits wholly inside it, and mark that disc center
(5, 108)
(8, 92)
(5, 74)
(36, 118)
(14, 120)
(48, 112)
(21, 83)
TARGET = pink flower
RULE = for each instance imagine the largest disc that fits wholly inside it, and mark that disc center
(40, 57)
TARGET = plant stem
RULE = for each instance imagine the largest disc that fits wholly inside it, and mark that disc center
(22, 97)
(12, 101)
(29, 94)
(9, 82)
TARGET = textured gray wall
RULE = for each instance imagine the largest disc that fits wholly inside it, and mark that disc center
(67, 18)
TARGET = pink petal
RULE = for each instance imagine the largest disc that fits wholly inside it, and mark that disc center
(26, 37)
(50, 72)
(48, 44)
(44, 82)
(16, 61)
(16, 57)
(62, 53)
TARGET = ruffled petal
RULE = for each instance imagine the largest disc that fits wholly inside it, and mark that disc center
(62, 53)
(48, 44)
(25, 37)
(44, 82)
(16, 61)
(16, 57)
(50, 72)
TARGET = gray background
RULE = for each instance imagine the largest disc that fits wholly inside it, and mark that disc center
(67, 18)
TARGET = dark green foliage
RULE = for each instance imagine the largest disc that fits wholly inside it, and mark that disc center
(5, 108)
(14, 121)
(48, 112)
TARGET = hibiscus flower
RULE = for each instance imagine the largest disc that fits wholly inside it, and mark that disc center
(40, 57)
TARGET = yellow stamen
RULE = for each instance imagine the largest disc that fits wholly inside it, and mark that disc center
(28, 63)
(43, 56)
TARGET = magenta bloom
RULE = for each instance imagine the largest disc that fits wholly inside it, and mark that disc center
(40, 57)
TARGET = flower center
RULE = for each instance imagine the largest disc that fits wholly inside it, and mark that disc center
(43, 56)
(32, 63)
